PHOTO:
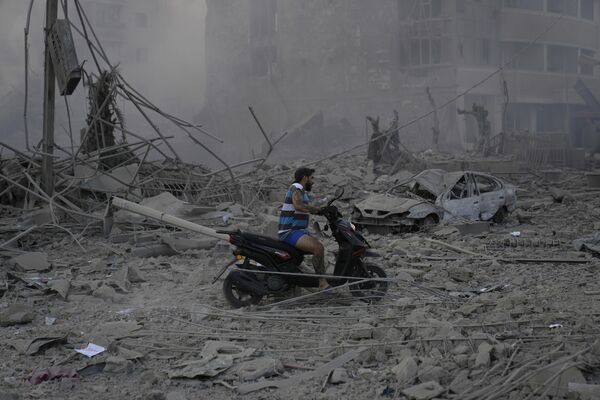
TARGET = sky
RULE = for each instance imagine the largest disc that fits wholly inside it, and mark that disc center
(162, 57)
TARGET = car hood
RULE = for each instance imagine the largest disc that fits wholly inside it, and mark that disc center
(436, 181)
(382, 205)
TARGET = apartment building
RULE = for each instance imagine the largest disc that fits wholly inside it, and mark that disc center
(348, 59)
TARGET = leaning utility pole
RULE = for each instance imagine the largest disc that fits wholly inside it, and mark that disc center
(49, 96)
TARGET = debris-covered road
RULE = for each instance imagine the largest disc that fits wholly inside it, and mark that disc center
(509, 313)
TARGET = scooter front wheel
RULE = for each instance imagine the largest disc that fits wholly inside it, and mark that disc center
(370, 290)
(237, 297)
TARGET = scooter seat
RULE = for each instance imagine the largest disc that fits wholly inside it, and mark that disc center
(273, 243)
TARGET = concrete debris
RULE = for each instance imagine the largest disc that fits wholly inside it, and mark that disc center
(34, 346)
(16, 314)
(589, 243)
(584, 390)
(259, 368)
(423, 391)
(558, 378)
(338, 376)
(60, 286)
(460, 274)
(217, 357)
(107, 293)
(471, 310)
(361, 331)
(33, 261)
(406, 371)
(324, 369)
(434, 373)
(484, 356)
(461, 382)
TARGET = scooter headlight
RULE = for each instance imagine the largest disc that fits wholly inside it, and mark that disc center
(353, 227)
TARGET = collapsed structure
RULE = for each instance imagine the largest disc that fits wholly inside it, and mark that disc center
(507, 311)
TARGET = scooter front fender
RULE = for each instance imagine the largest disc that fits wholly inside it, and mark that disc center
(372, 254)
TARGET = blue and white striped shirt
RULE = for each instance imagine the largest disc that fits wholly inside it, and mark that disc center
(290, 219)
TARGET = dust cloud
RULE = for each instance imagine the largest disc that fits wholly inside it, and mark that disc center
(158, 46)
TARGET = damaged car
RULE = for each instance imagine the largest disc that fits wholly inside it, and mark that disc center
(435, 195)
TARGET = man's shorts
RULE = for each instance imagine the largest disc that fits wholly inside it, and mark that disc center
(292, 237)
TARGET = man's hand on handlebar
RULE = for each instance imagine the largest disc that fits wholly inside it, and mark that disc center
(328, 210)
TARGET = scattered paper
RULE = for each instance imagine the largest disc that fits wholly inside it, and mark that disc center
(49, 321)
(555, 326)
(91, 350)
(515, 234)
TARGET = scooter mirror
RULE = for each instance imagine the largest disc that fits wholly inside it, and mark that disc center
(338, 193)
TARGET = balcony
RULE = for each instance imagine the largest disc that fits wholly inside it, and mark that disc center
(517, 25)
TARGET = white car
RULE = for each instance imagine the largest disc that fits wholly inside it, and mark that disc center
(434, 195)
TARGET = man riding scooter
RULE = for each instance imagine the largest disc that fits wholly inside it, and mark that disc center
(294, 219)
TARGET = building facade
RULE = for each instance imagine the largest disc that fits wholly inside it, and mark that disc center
(350, 58)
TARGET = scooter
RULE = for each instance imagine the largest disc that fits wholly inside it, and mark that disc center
(267, 266)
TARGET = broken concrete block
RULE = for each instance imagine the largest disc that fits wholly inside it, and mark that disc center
(557, 194)
(16, 314)
(461, 382)
(60, 286)
(484, 355)
(155, 250)
(339, 375)
(33, 261)
(406, 372)
(107, 293)
(585, 391)
(117, 365)
(415, 273)
(460, 349)
(259, 368)
(176, 396)
(361, 331)
(424, 391)
(432, 373)
(460, 274)
(35, 218)
(462, 360)
(560, 382)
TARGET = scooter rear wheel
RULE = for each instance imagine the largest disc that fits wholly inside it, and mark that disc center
(371, 290)
(237, 297)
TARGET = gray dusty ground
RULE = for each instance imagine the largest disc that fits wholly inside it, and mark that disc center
(464, 323)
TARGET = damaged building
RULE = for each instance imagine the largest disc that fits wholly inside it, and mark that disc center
(346, 59)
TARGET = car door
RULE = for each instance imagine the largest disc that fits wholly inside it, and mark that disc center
(462, 200)
(491, 195)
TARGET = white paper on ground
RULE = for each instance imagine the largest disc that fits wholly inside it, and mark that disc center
(91, 350)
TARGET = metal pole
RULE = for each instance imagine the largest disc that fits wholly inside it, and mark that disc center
(49, 95)
(166, 218)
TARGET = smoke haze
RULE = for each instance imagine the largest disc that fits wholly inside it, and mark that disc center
(158, 45)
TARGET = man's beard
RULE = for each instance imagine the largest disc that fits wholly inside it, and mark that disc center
(308, 187)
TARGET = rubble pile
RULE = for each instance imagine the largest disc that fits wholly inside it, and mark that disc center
(487, 289)
(509, 311)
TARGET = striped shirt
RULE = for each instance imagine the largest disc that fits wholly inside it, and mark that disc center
(289, 218)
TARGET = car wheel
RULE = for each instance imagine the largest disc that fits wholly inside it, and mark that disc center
(500, 216)
(428, 222)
